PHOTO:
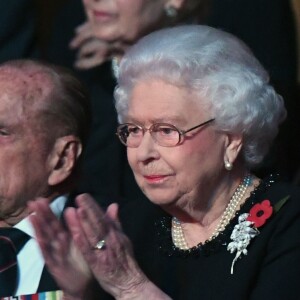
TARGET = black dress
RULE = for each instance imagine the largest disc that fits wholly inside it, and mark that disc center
(270, 270)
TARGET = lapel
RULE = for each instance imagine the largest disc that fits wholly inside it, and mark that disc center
(47, 282)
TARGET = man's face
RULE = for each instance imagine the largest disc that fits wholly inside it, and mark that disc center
(23, 153)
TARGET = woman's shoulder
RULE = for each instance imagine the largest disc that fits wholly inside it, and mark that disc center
(277, 184)
(275, 206)
(283, 201)
(275, 190)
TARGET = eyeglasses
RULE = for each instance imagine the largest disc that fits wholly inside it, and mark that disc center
(165, 135)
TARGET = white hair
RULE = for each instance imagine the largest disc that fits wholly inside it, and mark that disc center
(220, 70)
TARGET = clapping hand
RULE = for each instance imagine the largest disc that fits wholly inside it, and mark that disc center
(105, 247)
(94, 243)
(62, 258)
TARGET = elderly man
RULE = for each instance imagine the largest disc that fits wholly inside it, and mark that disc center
(44, 120)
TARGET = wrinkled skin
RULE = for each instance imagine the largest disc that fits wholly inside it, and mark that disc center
(114, 266)
(67, 264)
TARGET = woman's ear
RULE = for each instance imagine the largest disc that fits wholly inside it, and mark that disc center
(176, 4)
(63, 158)
(233, 146)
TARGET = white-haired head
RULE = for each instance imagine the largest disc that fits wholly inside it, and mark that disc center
(220, 70)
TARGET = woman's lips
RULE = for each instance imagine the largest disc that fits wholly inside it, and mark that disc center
(156, 178)
(102, 15)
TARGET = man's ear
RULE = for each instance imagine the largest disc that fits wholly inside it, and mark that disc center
(63, 158)
(233, 146)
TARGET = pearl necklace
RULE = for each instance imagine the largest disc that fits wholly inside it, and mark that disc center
(115, 65)
(177, 232)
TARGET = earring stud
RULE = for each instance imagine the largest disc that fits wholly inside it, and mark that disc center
(171, 11)
(228, 165)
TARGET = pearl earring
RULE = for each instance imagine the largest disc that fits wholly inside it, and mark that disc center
(228, 165)
(171, 11)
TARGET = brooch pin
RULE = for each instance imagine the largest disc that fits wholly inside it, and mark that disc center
(247, 227)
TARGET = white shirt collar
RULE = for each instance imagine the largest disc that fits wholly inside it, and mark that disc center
(57, 207)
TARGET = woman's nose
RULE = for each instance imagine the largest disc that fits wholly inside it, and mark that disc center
(147, 148)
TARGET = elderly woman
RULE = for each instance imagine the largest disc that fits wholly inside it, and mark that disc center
(196, 113)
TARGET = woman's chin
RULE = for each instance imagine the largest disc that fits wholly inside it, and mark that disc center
(160, 198)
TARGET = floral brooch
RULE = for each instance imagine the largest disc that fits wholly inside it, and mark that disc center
(247, 227)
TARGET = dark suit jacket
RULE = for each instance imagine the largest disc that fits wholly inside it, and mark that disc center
(47, 283)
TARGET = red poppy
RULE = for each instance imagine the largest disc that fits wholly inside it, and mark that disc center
(260, 212)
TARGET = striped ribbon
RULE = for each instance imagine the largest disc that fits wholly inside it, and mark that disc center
(55, 295)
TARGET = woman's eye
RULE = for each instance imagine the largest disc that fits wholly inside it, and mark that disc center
(3, 133)
(134, 130)
(167, 130)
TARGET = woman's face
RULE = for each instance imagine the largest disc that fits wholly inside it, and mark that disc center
(124, 20)
(174, 175)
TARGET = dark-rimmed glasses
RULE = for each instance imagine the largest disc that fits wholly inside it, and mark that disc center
(164, 134)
